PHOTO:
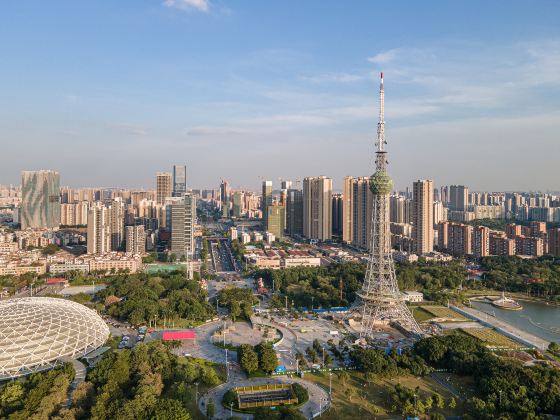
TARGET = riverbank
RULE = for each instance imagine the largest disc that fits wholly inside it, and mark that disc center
(505, 328)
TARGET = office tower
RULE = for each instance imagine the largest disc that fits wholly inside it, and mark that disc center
(423, 217)
(266, 199)
(135, 239)
(224, 198)
(98, 230)
(317, 208)
(458, 197)
(116, 220)
(337, 214)
(294, 210)
(347, 219)
(380, 301)
(183, 216)
(481, 242)
(40, 199)
(275, 220)
(179, 180)
(163, 186)
(237, 204)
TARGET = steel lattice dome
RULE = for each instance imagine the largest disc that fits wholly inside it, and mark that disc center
(36, 332)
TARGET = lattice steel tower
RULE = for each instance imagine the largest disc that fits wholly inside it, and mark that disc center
(380, 301)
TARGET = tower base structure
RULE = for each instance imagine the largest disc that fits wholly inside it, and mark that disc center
(377, 313)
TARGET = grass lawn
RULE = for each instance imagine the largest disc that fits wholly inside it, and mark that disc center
(420, 314)
(356, 398)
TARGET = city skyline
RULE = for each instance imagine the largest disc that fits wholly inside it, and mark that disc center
(205, 84)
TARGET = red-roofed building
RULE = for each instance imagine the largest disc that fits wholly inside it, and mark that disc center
(178, 335)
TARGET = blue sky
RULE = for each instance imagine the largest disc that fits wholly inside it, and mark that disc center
(109, 92)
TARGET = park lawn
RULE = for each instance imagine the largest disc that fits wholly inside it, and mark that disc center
(420, 315)
(357, 398)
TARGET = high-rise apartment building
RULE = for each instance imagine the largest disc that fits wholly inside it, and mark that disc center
(362, 207)
(458, 197)
(294, 210)
(481, 242)
(116, 224)
(266, 199)
(554, 242)
(98, 230)
(337, 203)
(179, 180)
(400, 209)
(163, 186)
(40, 199)
(275, 220)
(135, 239)
(347, 221)
(317, 208)
(183, 218)
(423, 216)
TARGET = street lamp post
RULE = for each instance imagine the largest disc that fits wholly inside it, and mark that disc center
(312, 299)
(231, 409)
(227, 370)
(196, 395)
(330, 385)
(323, 357)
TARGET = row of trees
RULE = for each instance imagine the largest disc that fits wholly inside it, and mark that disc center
(40, 396)
(261, 357)
(540, 276)
(146, 297)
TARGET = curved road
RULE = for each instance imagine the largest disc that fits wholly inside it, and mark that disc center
(204, 349)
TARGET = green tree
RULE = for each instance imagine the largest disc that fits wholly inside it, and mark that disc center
(210, 409)
(248, 359)
(169, 409)
(267, 356)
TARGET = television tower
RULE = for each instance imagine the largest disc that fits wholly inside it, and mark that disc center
(380, 301)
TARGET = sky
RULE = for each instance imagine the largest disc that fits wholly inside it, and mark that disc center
(110, 92)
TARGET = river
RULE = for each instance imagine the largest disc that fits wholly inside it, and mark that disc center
(536, 318)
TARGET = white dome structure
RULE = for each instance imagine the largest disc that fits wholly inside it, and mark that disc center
(36, 332)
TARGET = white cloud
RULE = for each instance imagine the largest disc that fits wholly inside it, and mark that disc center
(200, 5)
(385, 57)
(128, 128)
(334, 77)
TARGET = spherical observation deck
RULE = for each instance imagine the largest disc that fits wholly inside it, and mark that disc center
(36, 332)
(381, 183)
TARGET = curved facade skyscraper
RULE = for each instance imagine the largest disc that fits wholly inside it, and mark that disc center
(40, 203)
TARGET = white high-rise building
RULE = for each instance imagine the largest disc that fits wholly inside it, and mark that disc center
(135, 239)
(423, 216)
(98, 230)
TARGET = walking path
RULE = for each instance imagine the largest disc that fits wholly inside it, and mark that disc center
(503, 327)
(79, 377)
